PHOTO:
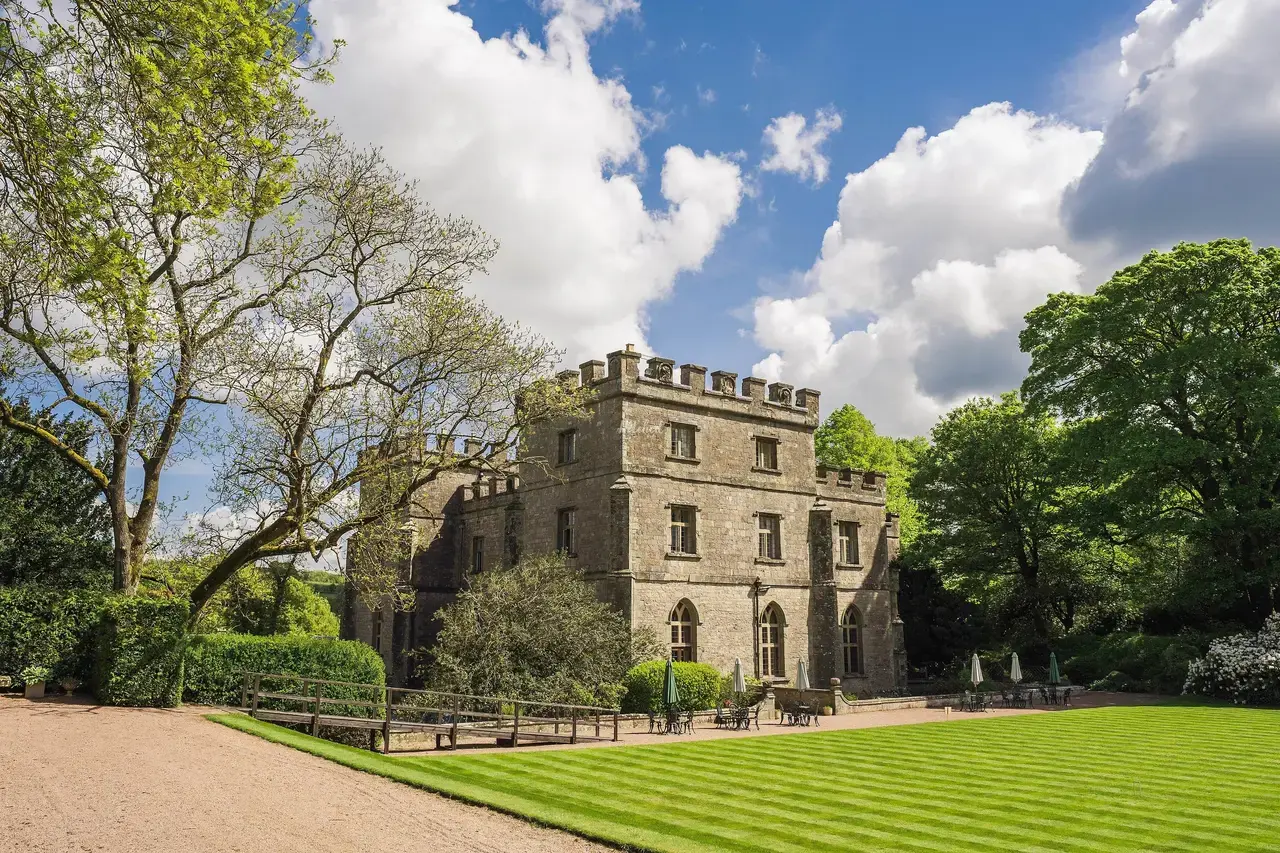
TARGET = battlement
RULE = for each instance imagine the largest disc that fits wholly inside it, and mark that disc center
(489, 491)
(661, 378)
(853, 479)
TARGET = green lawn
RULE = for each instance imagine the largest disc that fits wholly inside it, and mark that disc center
(1169, 777)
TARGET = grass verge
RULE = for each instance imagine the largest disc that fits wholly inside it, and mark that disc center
(1168, 777)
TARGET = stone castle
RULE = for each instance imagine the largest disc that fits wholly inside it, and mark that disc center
(696, 511)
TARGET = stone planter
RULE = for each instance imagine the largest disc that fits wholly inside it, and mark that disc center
(35, 690)
(827, 711)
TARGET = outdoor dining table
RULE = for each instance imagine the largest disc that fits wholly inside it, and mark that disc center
(799, 715)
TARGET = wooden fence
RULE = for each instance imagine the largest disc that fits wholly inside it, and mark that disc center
(400, 710)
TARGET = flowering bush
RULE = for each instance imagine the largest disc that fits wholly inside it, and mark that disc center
(1244, 668)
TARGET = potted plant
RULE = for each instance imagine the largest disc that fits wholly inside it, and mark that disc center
(69, 684)
(34, 677)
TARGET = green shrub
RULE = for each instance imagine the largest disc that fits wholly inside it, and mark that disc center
(699, 686)
(216, 664)
(43, 626)
(141, 643)
(1125, 661)
(754, 688)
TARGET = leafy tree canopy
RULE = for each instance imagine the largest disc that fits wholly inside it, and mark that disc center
(1169, 376)
(847, 439)
(535, 631)
(54, 527)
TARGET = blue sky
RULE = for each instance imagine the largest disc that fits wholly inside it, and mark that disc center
(652, 169)
(884, 66)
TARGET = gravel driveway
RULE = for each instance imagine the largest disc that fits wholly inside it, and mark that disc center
(81, 777)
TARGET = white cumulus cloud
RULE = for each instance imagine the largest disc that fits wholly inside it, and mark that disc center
(918, 294)
(794, 145)
(521, 135)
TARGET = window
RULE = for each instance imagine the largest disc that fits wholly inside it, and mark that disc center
(851, 640)
(682, 628)
(770, 537)
(767, 454)
(848, 541)
(564, 531)
(771, 642)
(684, 535)
(377, 630)
(568, 446)
(477, 554)
(684, 441)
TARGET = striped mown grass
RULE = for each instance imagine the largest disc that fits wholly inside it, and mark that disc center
(1167, 777)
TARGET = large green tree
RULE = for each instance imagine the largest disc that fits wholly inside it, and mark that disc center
(1002, 518)
(1169, 376)
(848, 439)
(195, 265)
(54, 527)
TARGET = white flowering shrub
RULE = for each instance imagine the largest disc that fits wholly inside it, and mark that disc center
(1244, 668)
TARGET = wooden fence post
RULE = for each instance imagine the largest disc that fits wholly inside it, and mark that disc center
(315, 718)
(597, 724)
(573, 733)
(386, 722)
(615, 728)
(257, 687)
(244, 690)
(515, 726)
(453, 730)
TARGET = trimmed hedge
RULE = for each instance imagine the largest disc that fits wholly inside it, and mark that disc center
(216, 663)
(45, 627)
(141, 644)
(699, 685)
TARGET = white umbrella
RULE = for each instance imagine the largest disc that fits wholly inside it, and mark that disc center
(739, 681)
(1015, 671)
(802, 676)
(975, 671)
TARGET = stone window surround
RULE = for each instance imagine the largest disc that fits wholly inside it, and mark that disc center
(694, 623)
(696, 458)
(851, 618)
(779, 560)
(560, 447)
(857, 542)
(758, 437)
(572, 512)
(695, 554)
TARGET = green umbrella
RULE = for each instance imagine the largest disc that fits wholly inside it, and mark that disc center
(802, 676)
(739, 681)
(1054, 677)
(670, 693)
(1015, 671)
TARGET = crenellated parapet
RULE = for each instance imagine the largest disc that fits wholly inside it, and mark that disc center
(626, 371)
(848, 482)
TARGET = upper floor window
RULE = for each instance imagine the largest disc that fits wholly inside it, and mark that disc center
(568, 449)
(684, 441)
(767, 453)
(683, 625)
(684, 530)
(477, 553)
(770, 536)
(847, 540)
(851, 640)
(565, 539)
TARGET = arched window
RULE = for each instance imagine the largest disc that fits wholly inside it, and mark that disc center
(684, 624)
(771, 653)
(851, 640)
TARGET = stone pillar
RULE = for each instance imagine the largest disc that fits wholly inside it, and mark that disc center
(897, 626)
(824, 616)
(512, 528)
(620, 577)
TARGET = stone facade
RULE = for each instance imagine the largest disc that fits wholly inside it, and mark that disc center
(741, 462)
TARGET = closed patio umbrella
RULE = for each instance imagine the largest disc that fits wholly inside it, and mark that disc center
(670, 693)
(802, 676)
(1015, 671)
(975, 671)
(739, 681)
(1054, 676)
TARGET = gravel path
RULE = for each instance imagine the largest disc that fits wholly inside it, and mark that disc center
(81, 777)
